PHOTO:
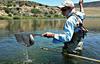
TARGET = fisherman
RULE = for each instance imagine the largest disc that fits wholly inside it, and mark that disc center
(73, 28)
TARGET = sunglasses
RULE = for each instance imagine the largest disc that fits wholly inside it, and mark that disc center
(63, 9)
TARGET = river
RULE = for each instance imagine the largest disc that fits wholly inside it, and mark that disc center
(12, 52)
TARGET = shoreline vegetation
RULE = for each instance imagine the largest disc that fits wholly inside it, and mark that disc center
(45, 17)
(29, 10)
(91, 12)
(28, 17)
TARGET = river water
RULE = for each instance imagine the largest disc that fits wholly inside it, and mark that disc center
(12, 52)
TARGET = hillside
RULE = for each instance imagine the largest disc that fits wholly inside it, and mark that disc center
(27, 8)
(90, 4)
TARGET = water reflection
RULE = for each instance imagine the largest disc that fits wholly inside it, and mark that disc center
(31, 25)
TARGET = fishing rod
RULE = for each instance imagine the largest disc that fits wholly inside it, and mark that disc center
(37, 35)
(28, 39)
(73, 55)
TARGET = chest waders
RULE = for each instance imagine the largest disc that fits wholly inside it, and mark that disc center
(75, 46)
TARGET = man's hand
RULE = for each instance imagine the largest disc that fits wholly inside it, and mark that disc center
(81, 6)
(48, 35)
(80, 1)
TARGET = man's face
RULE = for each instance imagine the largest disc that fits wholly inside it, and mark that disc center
(65, 11)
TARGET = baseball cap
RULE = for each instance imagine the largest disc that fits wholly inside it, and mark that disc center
(67, 3)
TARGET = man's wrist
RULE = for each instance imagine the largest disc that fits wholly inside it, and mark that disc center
(52, 35)
(81, 2)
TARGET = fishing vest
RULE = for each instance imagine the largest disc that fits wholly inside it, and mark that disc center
(81, 30)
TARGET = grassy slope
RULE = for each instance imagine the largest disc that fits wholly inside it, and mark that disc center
(92, 11)
(92, 21)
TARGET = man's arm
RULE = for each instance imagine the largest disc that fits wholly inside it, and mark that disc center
(81, 6)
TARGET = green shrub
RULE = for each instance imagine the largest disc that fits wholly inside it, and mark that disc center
(58, 16)
(7, 10)
(35, 11)
(16, 17)
(5, 17)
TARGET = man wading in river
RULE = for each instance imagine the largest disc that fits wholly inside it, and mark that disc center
(73, 28)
